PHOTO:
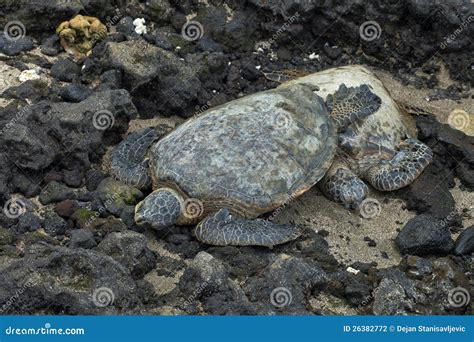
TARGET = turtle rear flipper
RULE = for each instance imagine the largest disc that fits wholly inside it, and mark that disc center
(402, 169)
(128, 162)
(348, 105)
(222, 229)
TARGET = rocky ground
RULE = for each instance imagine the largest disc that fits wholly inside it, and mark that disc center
(68, 241)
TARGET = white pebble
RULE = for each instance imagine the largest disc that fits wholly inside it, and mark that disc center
(27, 75)
(139, 24)
(352, 270)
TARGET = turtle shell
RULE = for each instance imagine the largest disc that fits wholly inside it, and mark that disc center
(252, 154)
(386, 127)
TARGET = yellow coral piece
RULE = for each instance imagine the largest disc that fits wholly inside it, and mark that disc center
(79, 35)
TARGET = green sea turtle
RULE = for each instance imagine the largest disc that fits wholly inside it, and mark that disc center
(380, 149)
(229, 165)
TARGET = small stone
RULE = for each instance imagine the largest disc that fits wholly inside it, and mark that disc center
(75, 92)
(29, 75)
(55, 192)
(112, 77)
(417, 267)
(12, 47)
(93, 179)
(130, 249)
(82, 238)
(66, 208)
(352, 270)
(425, 235)
(178, 238)
(390, 298)
(465, 242)
(28, 222)
(6, 237)
(50, 45)
(371, 243)
(73, 178)
(332, 52)
(54, 224)
(65, 70)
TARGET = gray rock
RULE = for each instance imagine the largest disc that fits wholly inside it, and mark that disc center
(159, 11)
(390, 299)
(417, 267)
(425, 235)
(82, 238)
(117, 198)
(465, 242)
(285, 8)
(75, 281)
(286, 284)
(152, 72)
(125, 26)
(50, 45)
(12, 47)
(131, 250)
(207, 270)
(28, 222)
(55, 192)
(93, 179)
(207, 281)
(75, 92)
(65, 70)
(40, 15)
(54, 224)
(47, 131)
(29, 152)
(113, 78)
(6, 237)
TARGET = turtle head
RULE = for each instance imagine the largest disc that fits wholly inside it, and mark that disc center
(161, 208)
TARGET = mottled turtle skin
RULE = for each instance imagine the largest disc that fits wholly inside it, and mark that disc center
(380, 149)
(229, 165)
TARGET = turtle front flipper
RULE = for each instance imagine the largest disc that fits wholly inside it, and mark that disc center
(343, 186)
(222, 229)
(348, 105)
(128, 162)
(407, 164)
